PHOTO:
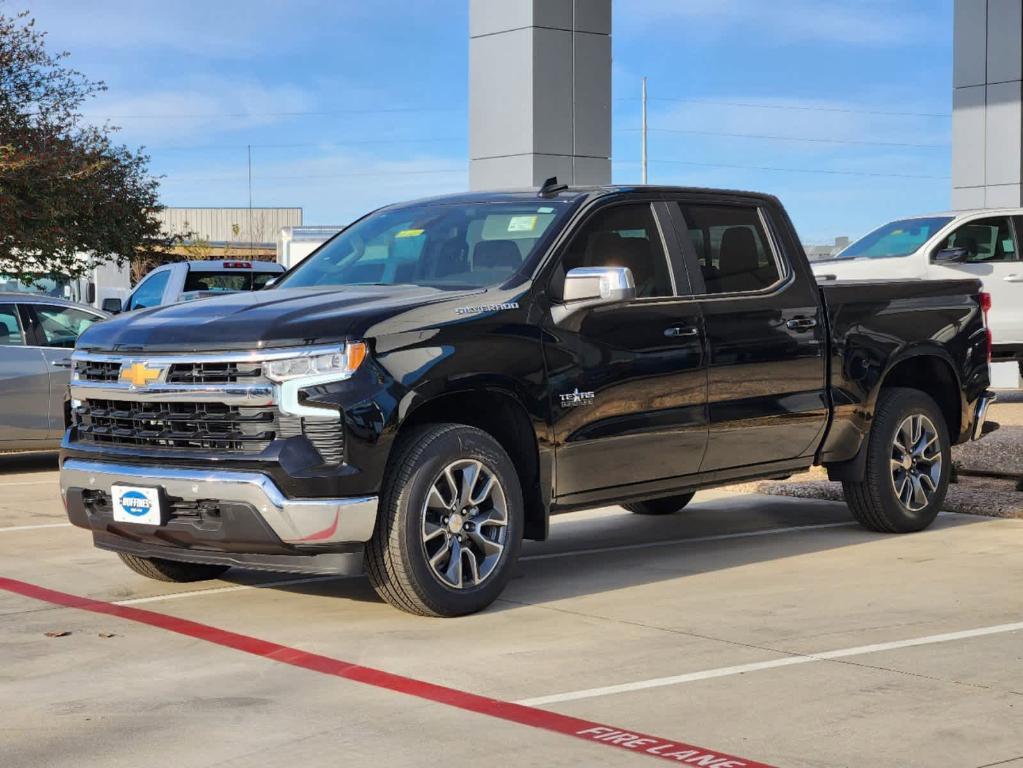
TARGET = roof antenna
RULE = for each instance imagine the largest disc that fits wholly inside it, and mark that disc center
(551, 187)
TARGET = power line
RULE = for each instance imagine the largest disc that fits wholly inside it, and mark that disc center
(297, 145)
(295, 113)
(790, 107)
(797, 139)
(804, 170)
(326, 176)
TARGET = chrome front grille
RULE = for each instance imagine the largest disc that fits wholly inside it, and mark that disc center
(206, 404)
(214, 373)
(95, 370)
(196, 426)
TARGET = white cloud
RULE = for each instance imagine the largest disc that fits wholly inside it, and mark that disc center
(198, 106)
(866, 22)
(333, 187)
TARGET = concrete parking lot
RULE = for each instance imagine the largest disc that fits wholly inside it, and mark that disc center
(770, 629)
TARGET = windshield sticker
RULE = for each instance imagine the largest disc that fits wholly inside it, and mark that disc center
(409, 233)
(545, 209)
(522, 223)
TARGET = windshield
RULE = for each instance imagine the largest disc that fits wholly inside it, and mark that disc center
(470, 245)
(896, 238)
(227, 282)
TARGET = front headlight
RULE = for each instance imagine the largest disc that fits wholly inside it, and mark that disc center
(341, 363)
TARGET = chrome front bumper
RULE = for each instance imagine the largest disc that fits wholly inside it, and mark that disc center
(981, 417)
(294, 521)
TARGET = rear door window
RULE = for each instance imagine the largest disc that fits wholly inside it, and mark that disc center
(732, 248)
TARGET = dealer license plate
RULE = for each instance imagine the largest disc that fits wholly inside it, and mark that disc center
(136, 505)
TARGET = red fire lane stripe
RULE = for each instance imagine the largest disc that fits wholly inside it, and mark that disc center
(633, 741)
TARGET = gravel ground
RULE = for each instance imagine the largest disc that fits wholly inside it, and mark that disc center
(1000, 452)
(991, 497)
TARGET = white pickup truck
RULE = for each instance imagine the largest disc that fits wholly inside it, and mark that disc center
(188, 280)
(983, 244)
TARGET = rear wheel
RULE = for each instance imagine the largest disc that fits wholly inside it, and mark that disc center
(450, 523)
(664, 506)
(171, 570)
(908, 465)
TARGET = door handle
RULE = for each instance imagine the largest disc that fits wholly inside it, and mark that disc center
(1013, 278)
(682, 331)
(65, 363)
(801, 323)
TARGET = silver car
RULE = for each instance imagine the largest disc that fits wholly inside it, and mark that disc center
(37, 335)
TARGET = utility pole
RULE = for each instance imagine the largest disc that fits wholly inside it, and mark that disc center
(644, 132)
(251, 244)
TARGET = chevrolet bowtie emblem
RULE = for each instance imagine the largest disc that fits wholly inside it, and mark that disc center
(139, 374)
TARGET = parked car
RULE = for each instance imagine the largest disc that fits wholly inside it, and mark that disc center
(980, 244)
(37, 335)
(434, 382)
(189, 280)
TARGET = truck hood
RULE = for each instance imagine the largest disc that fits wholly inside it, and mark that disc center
(272, 318)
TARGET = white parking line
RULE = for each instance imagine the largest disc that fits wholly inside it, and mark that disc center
(12, 528)
(788, 661)
(691, 540)
(222, 590)
(311, 579)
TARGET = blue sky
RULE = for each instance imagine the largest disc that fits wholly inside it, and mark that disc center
(349, 105)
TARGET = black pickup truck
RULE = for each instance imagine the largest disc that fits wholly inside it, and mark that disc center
(433, 383)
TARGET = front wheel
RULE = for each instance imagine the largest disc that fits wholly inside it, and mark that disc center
(450, 523)
(909, 462)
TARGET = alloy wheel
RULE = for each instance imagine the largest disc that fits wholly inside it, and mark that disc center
(464, 524)
(916, 462)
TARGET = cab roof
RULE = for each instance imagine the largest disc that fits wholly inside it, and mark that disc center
(568, 194)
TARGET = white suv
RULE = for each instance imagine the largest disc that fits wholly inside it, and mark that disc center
(983, 244)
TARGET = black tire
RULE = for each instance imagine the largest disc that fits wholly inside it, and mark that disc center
(171, 570)
(396, 557)
(874, 502)
(668, 505)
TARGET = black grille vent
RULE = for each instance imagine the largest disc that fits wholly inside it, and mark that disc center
(91, 370)
(214, 373)
(187, 426)
(326, 435)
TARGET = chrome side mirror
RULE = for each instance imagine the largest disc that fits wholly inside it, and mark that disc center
(587, 287)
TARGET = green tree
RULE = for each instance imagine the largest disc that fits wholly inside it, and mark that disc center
(66, 189)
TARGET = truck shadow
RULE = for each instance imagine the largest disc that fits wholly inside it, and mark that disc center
(29, 461)
(588, 555)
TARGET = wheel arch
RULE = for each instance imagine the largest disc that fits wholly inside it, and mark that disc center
(926, 368)
(500, 413)
(931, 371)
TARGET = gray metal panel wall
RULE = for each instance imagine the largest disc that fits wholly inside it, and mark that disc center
(987, 104)
(539, 92)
